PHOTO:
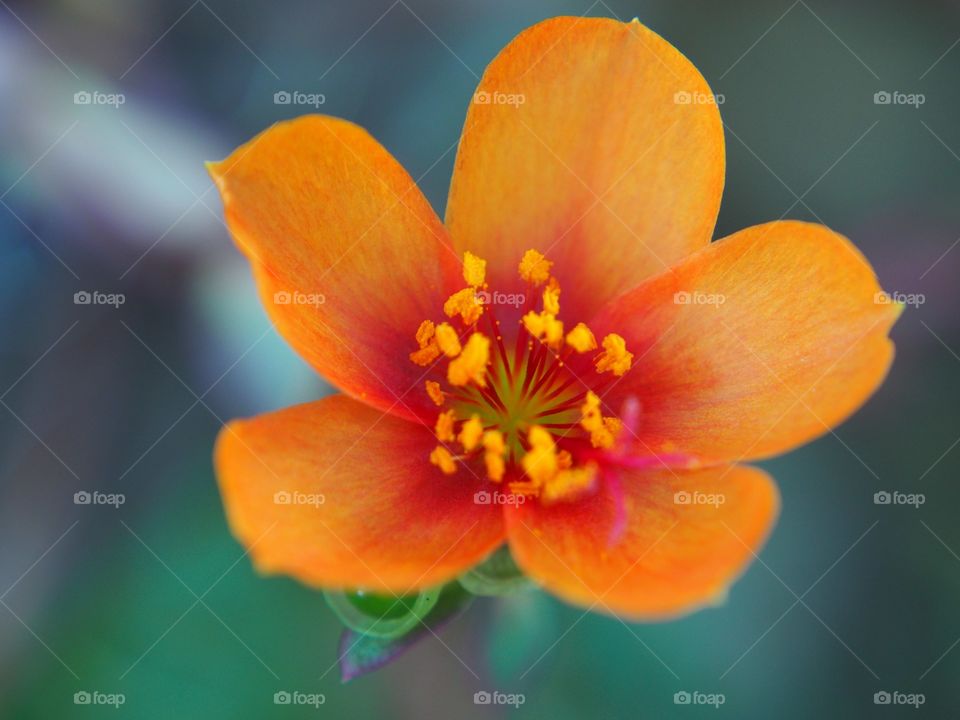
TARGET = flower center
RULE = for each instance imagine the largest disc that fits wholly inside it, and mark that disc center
(510, 403)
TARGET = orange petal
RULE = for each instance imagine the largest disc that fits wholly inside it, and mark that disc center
(672, 558)
(579, 144)
(754, 345)
(348, 254)
(339, 495)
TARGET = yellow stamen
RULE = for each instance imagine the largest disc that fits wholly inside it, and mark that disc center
(544, 326)
(465, 304)
(534, 267)
(548, 472)
(581, 339)
(472, 363)
(426, 339)
(554, 332)
(569, 484)
(615, 356)
(551, 298)
(590, 411)
(448, 340)
(444, 426)
(425, 333)
(470, 433)
(540, 463)
(603, 430)
(435, 393)
(474, 269)
(534, 323)
(425, 356)
(494, 449)
(613, 425)
(442, 458)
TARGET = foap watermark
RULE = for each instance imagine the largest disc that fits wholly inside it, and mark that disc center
(286, 497)
(95, 497)
(698, 498)
(95, 297)
(486, 97)
(696, 297)
(295, 697)
(485, 497)
(913, 300)
(296, 97)
(896, 97)
(894, 497)
(485, 697)
(483, 297)
(895, 697)
(95, 697)
(286, 297)
(87, 97)
(696, 697)
(697, 98)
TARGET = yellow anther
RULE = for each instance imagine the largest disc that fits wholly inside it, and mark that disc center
(494, 449)
(474, 270)
(569, 484)
(541, 462)
(544, 326)
(564, 460)
(435, 393)
(581, 339)
(603, 430)
(448, 340)
(426, 339)
(551, 298)
(425, 333)
(425, 356)
(615, 356)
(496, 467)
(535, 268)
(444, 426)
(590, 411)
(493, 442)
(554, 332)
(613, 425)
(472, 363)
(470, 433)
(442, 458)
(539, 437)
(534, 323)
(466, 304)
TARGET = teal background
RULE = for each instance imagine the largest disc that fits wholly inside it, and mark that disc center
(130, 400)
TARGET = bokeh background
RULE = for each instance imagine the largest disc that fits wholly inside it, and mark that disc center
(155, 600)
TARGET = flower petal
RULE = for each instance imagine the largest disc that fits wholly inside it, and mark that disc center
(672, 558)
(348, 254)
(586, 151)
(754, 345)
(365, 509)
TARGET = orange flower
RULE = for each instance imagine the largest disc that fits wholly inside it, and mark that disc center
(566, 365)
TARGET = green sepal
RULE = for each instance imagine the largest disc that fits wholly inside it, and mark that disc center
(495, 576)
(360, 653)
(381, 616)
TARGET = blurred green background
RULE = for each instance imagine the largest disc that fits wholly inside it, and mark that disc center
(156, 601)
